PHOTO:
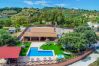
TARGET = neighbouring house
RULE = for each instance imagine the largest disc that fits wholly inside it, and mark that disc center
(40, 34)
(61, 31)
(22, 28)
(3, 16)
(12, 29)
(9, 54)
(95, 26)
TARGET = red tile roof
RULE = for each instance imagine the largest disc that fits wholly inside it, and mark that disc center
(41, 32)
(9, 52)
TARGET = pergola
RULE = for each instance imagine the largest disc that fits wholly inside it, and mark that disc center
(11, 53)
(40, 34)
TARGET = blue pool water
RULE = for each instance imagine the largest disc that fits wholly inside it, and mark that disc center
(34, 52)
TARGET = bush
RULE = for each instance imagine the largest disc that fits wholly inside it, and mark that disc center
(1, 26)
(24, 50)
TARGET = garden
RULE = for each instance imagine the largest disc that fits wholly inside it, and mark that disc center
(25, 46)
(73, 43)
(58, 50)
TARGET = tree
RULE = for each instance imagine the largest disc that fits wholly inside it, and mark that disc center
(20, 20)
(81, 39)
(5, 22)
(89, 34)
(25, 17)
(13, 41)
(6, 38)
(1, 26)
(82, 28)
(50, 15)
(73, 41)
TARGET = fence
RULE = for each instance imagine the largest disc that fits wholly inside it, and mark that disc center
(20, 36)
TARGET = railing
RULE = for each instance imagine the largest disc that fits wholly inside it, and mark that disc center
(20, 36)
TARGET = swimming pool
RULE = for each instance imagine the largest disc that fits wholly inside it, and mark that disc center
(35, 52)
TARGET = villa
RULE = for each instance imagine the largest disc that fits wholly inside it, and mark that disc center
(49, 33)
(39, 34)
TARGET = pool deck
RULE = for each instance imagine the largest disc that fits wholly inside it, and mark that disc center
(36, 44)
(40, 50)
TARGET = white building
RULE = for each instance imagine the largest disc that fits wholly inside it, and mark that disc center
(95, 26)
(12, 29)
(22, 28)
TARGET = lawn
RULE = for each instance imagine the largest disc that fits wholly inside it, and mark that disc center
(57, 49)
(24, 50)
(19, 44)
(52, 46)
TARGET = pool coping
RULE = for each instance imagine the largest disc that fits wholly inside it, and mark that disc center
(40, 50)
(28, 51)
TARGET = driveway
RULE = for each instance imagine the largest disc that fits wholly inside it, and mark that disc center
(37, 44)
(93, 57)
(63, 30)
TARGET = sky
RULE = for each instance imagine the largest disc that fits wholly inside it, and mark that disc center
(82, 4)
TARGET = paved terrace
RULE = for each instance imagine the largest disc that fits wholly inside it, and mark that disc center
(66, 63)
(37, 44)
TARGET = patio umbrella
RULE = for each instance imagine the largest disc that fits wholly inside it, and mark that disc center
(60, 56)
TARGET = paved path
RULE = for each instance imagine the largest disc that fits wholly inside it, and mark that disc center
(63, 30)
(36, 44)
(70, 61)
(87, 61)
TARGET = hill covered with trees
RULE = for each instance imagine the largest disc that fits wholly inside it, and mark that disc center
(56, 16)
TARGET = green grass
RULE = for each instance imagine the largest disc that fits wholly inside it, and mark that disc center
(57, 48)
(24, 50)
(69, 56)
(19, 44)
